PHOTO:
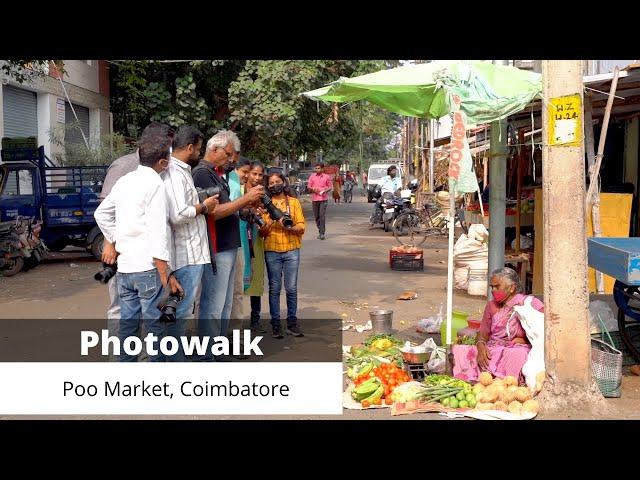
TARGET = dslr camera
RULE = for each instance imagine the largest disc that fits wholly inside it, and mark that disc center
(106, 272)
(275, 213)
(204, 193)
(250, 216)
(169, 304)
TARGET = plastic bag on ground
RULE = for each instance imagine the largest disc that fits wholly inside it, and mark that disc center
(431, 324)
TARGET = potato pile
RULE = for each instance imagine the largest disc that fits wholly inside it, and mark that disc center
(503, 394)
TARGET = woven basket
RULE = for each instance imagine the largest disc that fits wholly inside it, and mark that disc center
(606, 363)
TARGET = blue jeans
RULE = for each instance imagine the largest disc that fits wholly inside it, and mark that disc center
(139, 295)
(216, 298)
(279, 263)
(189, 277)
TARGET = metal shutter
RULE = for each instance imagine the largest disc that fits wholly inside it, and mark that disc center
(73, 135)
(20, 110)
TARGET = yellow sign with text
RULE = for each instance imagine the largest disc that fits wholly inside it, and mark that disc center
(565, 116)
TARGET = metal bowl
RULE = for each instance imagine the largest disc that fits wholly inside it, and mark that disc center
(410, 357)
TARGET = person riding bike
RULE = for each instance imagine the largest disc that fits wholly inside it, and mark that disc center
(389, 185)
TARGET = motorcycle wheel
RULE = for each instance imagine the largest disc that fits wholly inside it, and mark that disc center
(15, 266)
(387, 225)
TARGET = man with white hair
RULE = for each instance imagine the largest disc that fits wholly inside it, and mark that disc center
(237, 310)
(223, 227)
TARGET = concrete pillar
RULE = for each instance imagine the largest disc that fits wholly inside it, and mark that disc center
(567, 334)
(45, 122)
(497, 195)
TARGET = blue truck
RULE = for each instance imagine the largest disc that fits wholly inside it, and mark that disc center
(63, 198)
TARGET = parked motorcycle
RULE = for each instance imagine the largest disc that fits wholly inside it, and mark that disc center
(389, 206)
(384, 209)
(20, 245)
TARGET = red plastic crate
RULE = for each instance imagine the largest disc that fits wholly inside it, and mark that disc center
(406, 261)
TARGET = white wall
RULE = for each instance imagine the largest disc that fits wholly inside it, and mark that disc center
(82, 85)
(78, 73)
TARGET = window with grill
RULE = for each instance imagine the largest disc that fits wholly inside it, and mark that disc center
(19, 182)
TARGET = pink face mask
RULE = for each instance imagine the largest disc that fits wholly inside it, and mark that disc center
(500, 296)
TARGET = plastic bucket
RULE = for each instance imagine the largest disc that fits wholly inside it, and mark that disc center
(458, 321)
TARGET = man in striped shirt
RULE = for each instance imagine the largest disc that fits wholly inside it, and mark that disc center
(190, 249)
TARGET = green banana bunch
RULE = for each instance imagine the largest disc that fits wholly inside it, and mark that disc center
(375, 395)
(366, 389)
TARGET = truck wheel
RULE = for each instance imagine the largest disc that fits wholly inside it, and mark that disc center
(96, 246)
(15, 266)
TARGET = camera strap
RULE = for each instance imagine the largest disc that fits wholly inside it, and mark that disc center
(286, 200)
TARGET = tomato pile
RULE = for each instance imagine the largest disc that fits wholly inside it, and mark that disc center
(390, 376)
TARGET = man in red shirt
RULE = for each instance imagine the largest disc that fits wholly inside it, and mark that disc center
(320, 184)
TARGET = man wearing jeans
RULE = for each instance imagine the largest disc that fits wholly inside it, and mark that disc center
(320, 184)
(190, 252)
(216, 298)
(118, 169)
(133, 217)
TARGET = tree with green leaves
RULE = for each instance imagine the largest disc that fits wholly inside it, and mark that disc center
(265, 101)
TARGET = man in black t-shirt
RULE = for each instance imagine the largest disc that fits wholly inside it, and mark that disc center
(224, 237)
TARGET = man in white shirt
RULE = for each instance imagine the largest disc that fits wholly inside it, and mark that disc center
(389, 184)
(118, 169)
(190, 253)
(133, 217)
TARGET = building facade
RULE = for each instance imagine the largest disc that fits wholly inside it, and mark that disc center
(44, 105)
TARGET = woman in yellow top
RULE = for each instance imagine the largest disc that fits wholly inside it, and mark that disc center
(282, 253)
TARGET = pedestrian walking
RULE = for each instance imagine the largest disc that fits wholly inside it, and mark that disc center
(319, 184)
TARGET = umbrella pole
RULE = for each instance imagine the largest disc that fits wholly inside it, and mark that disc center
(448, 340)
(431, 155)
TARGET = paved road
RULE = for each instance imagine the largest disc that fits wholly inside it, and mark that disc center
(350, 265)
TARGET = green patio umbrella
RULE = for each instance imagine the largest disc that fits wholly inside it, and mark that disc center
(481, 91)
(488, 92)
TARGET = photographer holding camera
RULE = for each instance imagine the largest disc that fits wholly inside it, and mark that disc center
(284, 227)
(119, 168)
(223, 228)
(133, 217)
(190, 252)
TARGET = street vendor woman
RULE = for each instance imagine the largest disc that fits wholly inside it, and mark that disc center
(501, 346)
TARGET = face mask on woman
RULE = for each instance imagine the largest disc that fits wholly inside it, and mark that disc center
(276, 189)
(500, 296)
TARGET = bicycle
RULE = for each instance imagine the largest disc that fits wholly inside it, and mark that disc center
(418, 225)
